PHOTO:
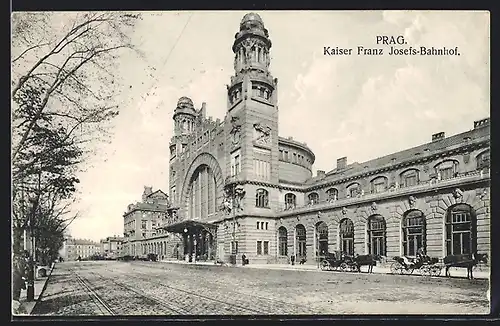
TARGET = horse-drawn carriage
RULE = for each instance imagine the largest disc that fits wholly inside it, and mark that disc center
(343, 262)
(425, 265)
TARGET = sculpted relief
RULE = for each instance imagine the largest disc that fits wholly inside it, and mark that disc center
(262, 133)
(235, 130)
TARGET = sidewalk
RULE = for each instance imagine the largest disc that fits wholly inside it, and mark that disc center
(454, 272)
(39, 285)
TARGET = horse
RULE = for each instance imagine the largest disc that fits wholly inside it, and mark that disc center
(363, 260)
(464, 261)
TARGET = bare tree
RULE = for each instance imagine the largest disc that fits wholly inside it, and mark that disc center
(64, 91)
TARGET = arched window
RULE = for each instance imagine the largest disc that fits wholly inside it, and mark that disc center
(300, 239)
(410, 178)
(483, 160)
(379, 185)
(413, 232)
(376, 235)
(353, 190)
(313, 198)
(333, 194)
(282, 241)
(347, 236)
(290, 201)
(321, 239)
(446, 169)
(262, 198)
(460, 230)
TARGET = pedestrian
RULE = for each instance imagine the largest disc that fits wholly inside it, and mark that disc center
(243, 259)
(18, 283)
(292, 259)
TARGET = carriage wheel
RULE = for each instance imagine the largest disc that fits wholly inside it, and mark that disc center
(435, 270)
(353, 268)
(396, 268)
(425, 271)
(325, 265)
(343, 267)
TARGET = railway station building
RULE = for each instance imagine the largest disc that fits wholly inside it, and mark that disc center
(238, 187)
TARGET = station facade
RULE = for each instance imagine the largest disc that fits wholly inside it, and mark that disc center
(237, 187)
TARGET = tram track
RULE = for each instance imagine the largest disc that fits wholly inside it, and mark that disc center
(153, 298)
(265, 302)
(103, 306)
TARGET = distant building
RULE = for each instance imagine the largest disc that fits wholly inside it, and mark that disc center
(141, 223)
(74, 248)
(111, 247)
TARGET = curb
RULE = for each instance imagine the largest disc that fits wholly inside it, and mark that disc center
(43, 288)
(306, 269)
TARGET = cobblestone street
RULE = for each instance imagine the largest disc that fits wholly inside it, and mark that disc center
(147, 288)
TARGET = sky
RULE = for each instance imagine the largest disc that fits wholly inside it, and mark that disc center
(361, 107)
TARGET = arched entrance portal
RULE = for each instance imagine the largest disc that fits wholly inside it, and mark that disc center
(321, 239)
(347, 236)
(300, 239)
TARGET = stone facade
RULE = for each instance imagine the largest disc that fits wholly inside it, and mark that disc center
(434, 196)
(83, 248)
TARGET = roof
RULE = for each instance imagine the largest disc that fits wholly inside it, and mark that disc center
(477, 134)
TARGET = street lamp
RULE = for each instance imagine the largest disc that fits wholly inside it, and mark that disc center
(234, 195)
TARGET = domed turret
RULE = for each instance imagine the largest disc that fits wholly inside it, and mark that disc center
(184, 116)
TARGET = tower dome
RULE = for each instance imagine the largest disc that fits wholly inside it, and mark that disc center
(185, 103)
(251, 17)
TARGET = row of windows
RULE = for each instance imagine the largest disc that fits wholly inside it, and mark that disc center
(297, 158)
(408, 178)
(262, 225)
(261, 91)
(262, 169)
(460, 230)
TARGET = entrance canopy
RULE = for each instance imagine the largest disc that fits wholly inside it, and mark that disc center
(189, 227)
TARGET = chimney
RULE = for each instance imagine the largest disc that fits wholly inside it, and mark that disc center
(342, 163)
(438, 136)
(203, 110)
(320, 173)
(481, 123)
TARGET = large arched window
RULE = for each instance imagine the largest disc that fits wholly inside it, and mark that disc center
(460, 230)
(483, 160)
(202, 193)
(413, 232)
(313, 198)
(282, 241)
(378, 185)
(262, 198)
(376, 235)
(347, 236)
(446, 169)
(333, 194)
(410, 178)
(321, 238)
(290, 201)
(300, 239)
(353, 190)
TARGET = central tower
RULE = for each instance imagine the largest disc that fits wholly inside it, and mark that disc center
(251, 127)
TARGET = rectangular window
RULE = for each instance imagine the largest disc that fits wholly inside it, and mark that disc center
(446, 173)
(379, 186)
(259, 247)
(411, 180)
(294, 158)
(281, 155)
(267, 225)
(262, 225)
(257, 225)
(353, 191)
(286, 156)
(235, 163)
(234, 247)
(266, 247)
